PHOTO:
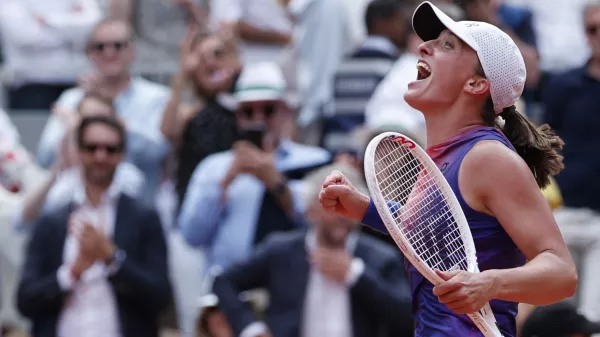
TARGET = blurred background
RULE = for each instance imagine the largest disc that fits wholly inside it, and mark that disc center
(220, 119)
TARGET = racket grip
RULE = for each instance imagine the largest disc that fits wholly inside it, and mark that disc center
(486, 322)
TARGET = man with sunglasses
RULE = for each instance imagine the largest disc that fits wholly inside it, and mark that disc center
(138, 102)
(571, 102)
(98, 266)
(237, 197)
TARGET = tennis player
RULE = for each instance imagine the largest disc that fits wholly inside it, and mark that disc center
(470, 73)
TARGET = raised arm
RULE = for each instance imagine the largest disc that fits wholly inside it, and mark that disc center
(499, 181)
(202, 207)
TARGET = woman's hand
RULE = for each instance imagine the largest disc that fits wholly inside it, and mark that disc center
(464, 292)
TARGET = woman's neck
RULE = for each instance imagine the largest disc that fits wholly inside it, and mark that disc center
(443, 126)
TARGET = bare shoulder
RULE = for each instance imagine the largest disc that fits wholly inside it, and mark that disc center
(492, 161)
(492, 170)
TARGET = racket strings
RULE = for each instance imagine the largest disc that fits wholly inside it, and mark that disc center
(419, 207)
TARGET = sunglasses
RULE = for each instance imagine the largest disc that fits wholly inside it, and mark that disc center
(267, 109)
(592, 29)
(102, 46)
(110, 149)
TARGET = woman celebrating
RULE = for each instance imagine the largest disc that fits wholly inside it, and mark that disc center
(470, 73)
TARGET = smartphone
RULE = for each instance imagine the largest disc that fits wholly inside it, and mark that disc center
(254, 134)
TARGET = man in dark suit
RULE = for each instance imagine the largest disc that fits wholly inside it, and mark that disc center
(97, 267)
(328, 281)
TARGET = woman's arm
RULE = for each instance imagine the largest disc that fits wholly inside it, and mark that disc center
(495, 180)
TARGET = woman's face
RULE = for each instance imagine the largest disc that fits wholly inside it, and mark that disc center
(218, 63)
(446, 67)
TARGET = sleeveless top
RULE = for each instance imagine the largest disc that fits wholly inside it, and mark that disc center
(495, 249)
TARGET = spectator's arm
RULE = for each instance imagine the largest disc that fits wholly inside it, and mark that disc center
(176, 115)
(202, 207)
(40, 292)
(21, 28)
(34, 202)
(121, 9)
(54, 130)
(145, 282)
(250, 274)
(251, 33)
(385, 292)
(75, 25)
(49, 142)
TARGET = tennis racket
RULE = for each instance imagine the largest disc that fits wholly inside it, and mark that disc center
(421, 213)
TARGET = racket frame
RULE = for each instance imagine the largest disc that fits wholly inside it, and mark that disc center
(484, 318)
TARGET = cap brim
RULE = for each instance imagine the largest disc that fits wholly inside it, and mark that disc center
(429, 21)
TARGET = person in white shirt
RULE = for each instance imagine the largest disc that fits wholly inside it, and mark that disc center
(263, 26)
(43, 43)
(138, 102)
(322, 37)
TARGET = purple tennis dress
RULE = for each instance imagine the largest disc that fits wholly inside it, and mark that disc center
(495, 249)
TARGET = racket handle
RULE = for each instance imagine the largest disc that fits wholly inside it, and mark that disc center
(486, 322)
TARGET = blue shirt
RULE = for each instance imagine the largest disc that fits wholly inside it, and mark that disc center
(495, 249)
(571, 102)
(226, 228)
(141, 107)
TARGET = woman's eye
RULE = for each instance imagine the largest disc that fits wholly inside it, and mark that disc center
(448, 45)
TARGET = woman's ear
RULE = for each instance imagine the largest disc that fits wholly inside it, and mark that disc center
(477, 86)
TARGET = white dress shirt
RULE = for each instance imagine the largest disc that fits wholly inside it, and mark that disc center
(324, 298)
(323, 38)
(43, 41)
(91, 308)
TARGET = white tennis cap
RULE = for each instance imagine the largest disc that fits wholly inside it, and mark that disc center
(500, 57)
(260, 82)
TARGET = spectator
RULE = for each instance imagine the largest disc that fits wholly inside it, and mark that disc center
(43, 48)
(97, 266)
(330, 281)
(571, 102)
(237, 197)
(65, 175)
(361, 71)
(558, 320)
(210, 65)
(324, 38)
(263, 27)
(138, 102)
(159, 25)
(559, 31)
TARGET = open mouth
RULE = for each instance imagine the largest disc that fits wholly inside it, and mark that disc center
(423, 70)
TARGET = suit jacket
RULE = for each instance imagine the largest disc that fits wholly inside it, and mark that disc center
(380, 299)
(141, 285)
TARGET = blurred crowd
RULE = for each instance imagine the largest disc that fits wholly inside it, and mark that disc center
(173, 189)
